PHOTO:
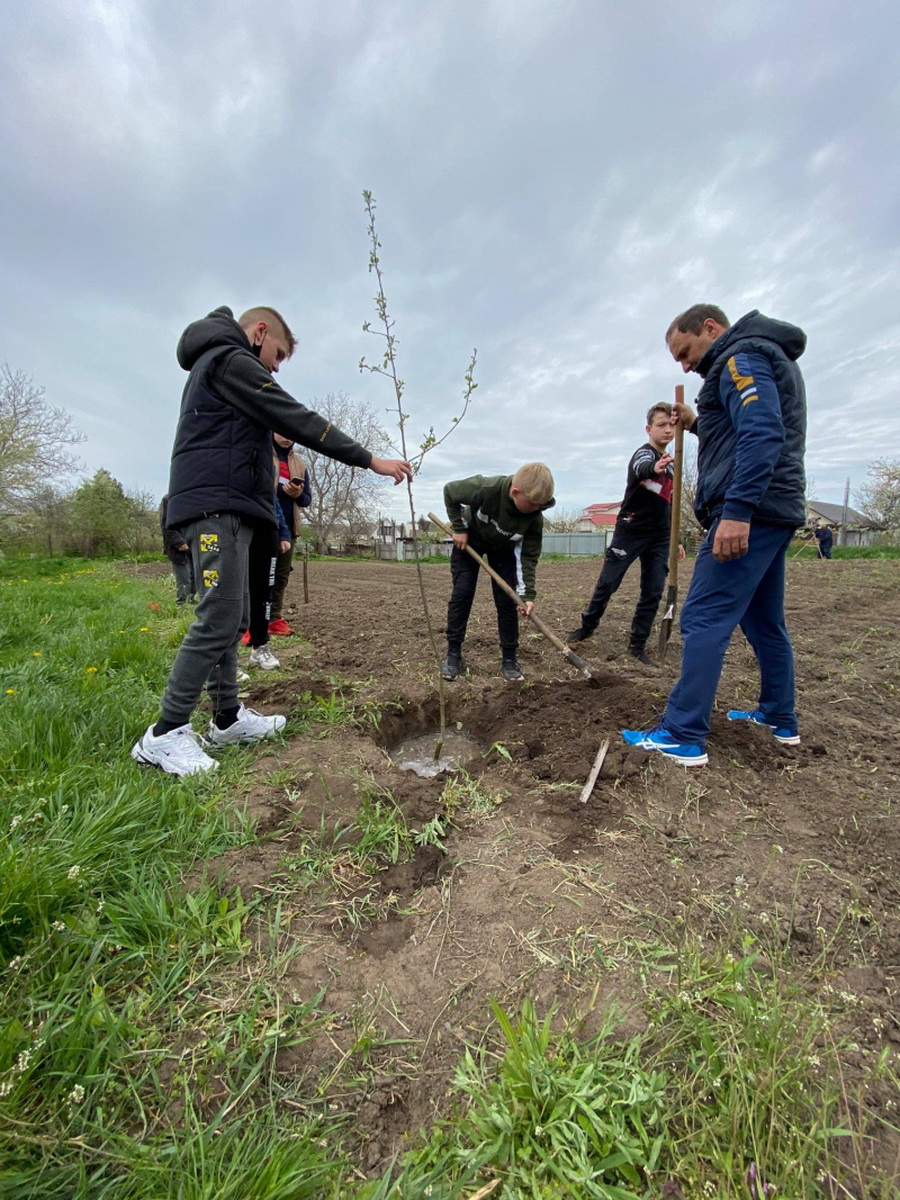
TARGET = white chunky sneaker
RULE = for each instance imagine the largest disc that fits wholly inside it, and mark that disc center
(262, 656)
(250, 726)
(179, 752)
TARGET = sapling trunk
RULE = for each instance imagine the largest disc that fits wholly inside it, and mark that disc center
(389, 368)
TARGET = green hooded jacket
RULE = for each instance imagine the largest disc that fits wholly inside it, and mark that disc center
(482, 507)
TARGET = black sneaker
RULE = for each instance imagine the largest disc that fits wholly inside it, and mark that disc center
(642, 656)
(511, 670)
(579, 635)
(452, 665)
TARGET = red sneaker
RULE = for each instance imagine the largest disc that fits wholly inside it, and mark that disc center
(280, 627)
(245, 640)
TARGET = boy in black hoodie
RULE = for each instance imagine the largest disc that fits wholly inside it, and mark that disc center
(221, 486)
(642, 532)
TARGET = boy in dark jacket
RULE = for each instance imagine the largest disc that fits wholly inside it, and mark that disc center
(221, 486)
(751, 487)
(642, 532)
(178, 553)
(500, 518)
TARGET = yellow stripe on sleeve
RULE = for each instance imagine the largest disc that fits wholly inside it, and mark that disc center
(740, 381)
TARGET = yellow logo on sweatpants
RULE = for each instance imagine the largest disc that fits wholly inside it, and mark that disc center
(209, 541)
(210, 579)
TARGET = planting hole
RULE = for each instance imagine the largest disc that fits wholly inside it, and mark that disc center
(417, 753)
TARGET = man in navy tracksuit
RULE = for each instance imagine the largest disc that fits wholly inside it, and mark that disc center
(751, 425)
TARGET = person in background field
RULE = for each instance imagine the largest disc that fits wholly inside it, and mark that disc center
(824, 539)
(179, 555)
(265, 546)
(642, 531)
(500, 518)
(293, 493)
(220, 489)
(751, 497)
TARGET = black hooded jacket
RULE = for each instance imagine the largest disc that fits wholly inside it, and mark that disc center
(222, 456)
(751, 422)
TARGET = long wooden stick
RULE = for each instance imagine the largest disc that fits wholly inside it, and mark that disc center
(595, 771)
(576, 660)
(665, 625)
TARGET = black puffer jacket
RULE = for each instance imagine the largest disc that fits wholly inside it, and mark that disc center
(222, 457)
(751, 421)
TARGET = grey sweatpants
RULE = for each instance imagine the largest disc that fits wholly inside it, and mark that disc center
(219, 544)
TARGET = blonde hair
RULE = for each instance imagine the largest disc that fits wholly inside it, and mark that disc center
(263, 313)
(535, 482)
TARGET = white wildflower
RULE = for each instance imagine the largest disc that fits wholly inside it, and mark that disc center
(5, 1087)
(58, 926)
(74, 872)
(15, 963)
(23, 1060)
(76, 1095)
(17, 820)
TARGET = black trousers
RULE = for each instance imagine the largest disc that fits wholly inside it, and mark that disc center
(653, 551)
(464, 571)
(261, 579)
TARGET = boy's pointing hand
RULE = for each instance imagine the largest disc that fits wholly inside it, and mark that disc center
(395, 468)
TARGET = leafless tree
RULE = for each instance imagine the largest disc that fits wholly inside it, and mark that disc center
(563, 520)
(879, 496)
(343, 495)
(35, 442)
(691, 530)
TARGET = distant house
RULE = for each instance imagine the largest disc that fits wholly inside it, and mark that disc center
(851, 528)
(599, 516)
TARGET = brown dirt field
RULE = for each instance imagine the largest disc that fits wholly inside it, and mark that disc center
(536, 894)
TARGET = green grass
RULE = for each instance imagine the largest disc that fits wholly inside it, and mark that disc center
(729, 1084)
(846, 552)
(128, 1068)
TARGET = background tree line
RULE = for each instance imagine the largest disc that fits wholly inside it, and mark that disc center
(47, 506)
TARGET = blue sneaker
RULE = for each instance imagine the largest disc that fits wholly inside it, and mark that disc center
(659, 738)
(781, 733)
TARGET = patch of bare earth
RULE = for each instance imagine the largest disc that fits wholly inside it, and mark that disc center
(532, 893)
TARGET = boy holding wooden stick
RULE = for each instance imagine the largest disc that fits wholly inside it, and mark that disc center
(642, 532)
(500, 518)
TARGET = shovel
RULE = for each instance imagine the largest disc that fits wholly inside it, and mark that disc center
(590, 673)
(665, 626)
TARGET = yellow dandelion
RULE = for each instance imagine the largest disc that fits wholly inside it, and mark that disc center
(10, 691)
(91, 670)
(144, 629)
(35, 654)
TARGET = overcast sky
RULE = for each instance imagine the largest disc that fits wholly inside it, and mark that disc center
(555, 181)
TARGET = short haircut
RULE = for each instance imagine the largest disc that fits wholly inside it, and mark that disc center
(663, 407)
(263, 313)
(692, 319)
(535, 482)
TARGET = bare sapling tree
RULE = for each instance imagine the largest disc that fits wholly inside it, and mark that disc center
(34, 442)
(343, 496)
(388, 368)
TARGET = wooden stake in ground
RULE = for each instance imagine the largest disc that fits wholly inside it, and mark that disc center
(591, 673)
(595, 771)
(665, 625)
(306, 574)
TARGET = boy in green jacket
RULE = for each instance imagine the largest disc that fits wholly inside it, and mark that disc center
(499, 516)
